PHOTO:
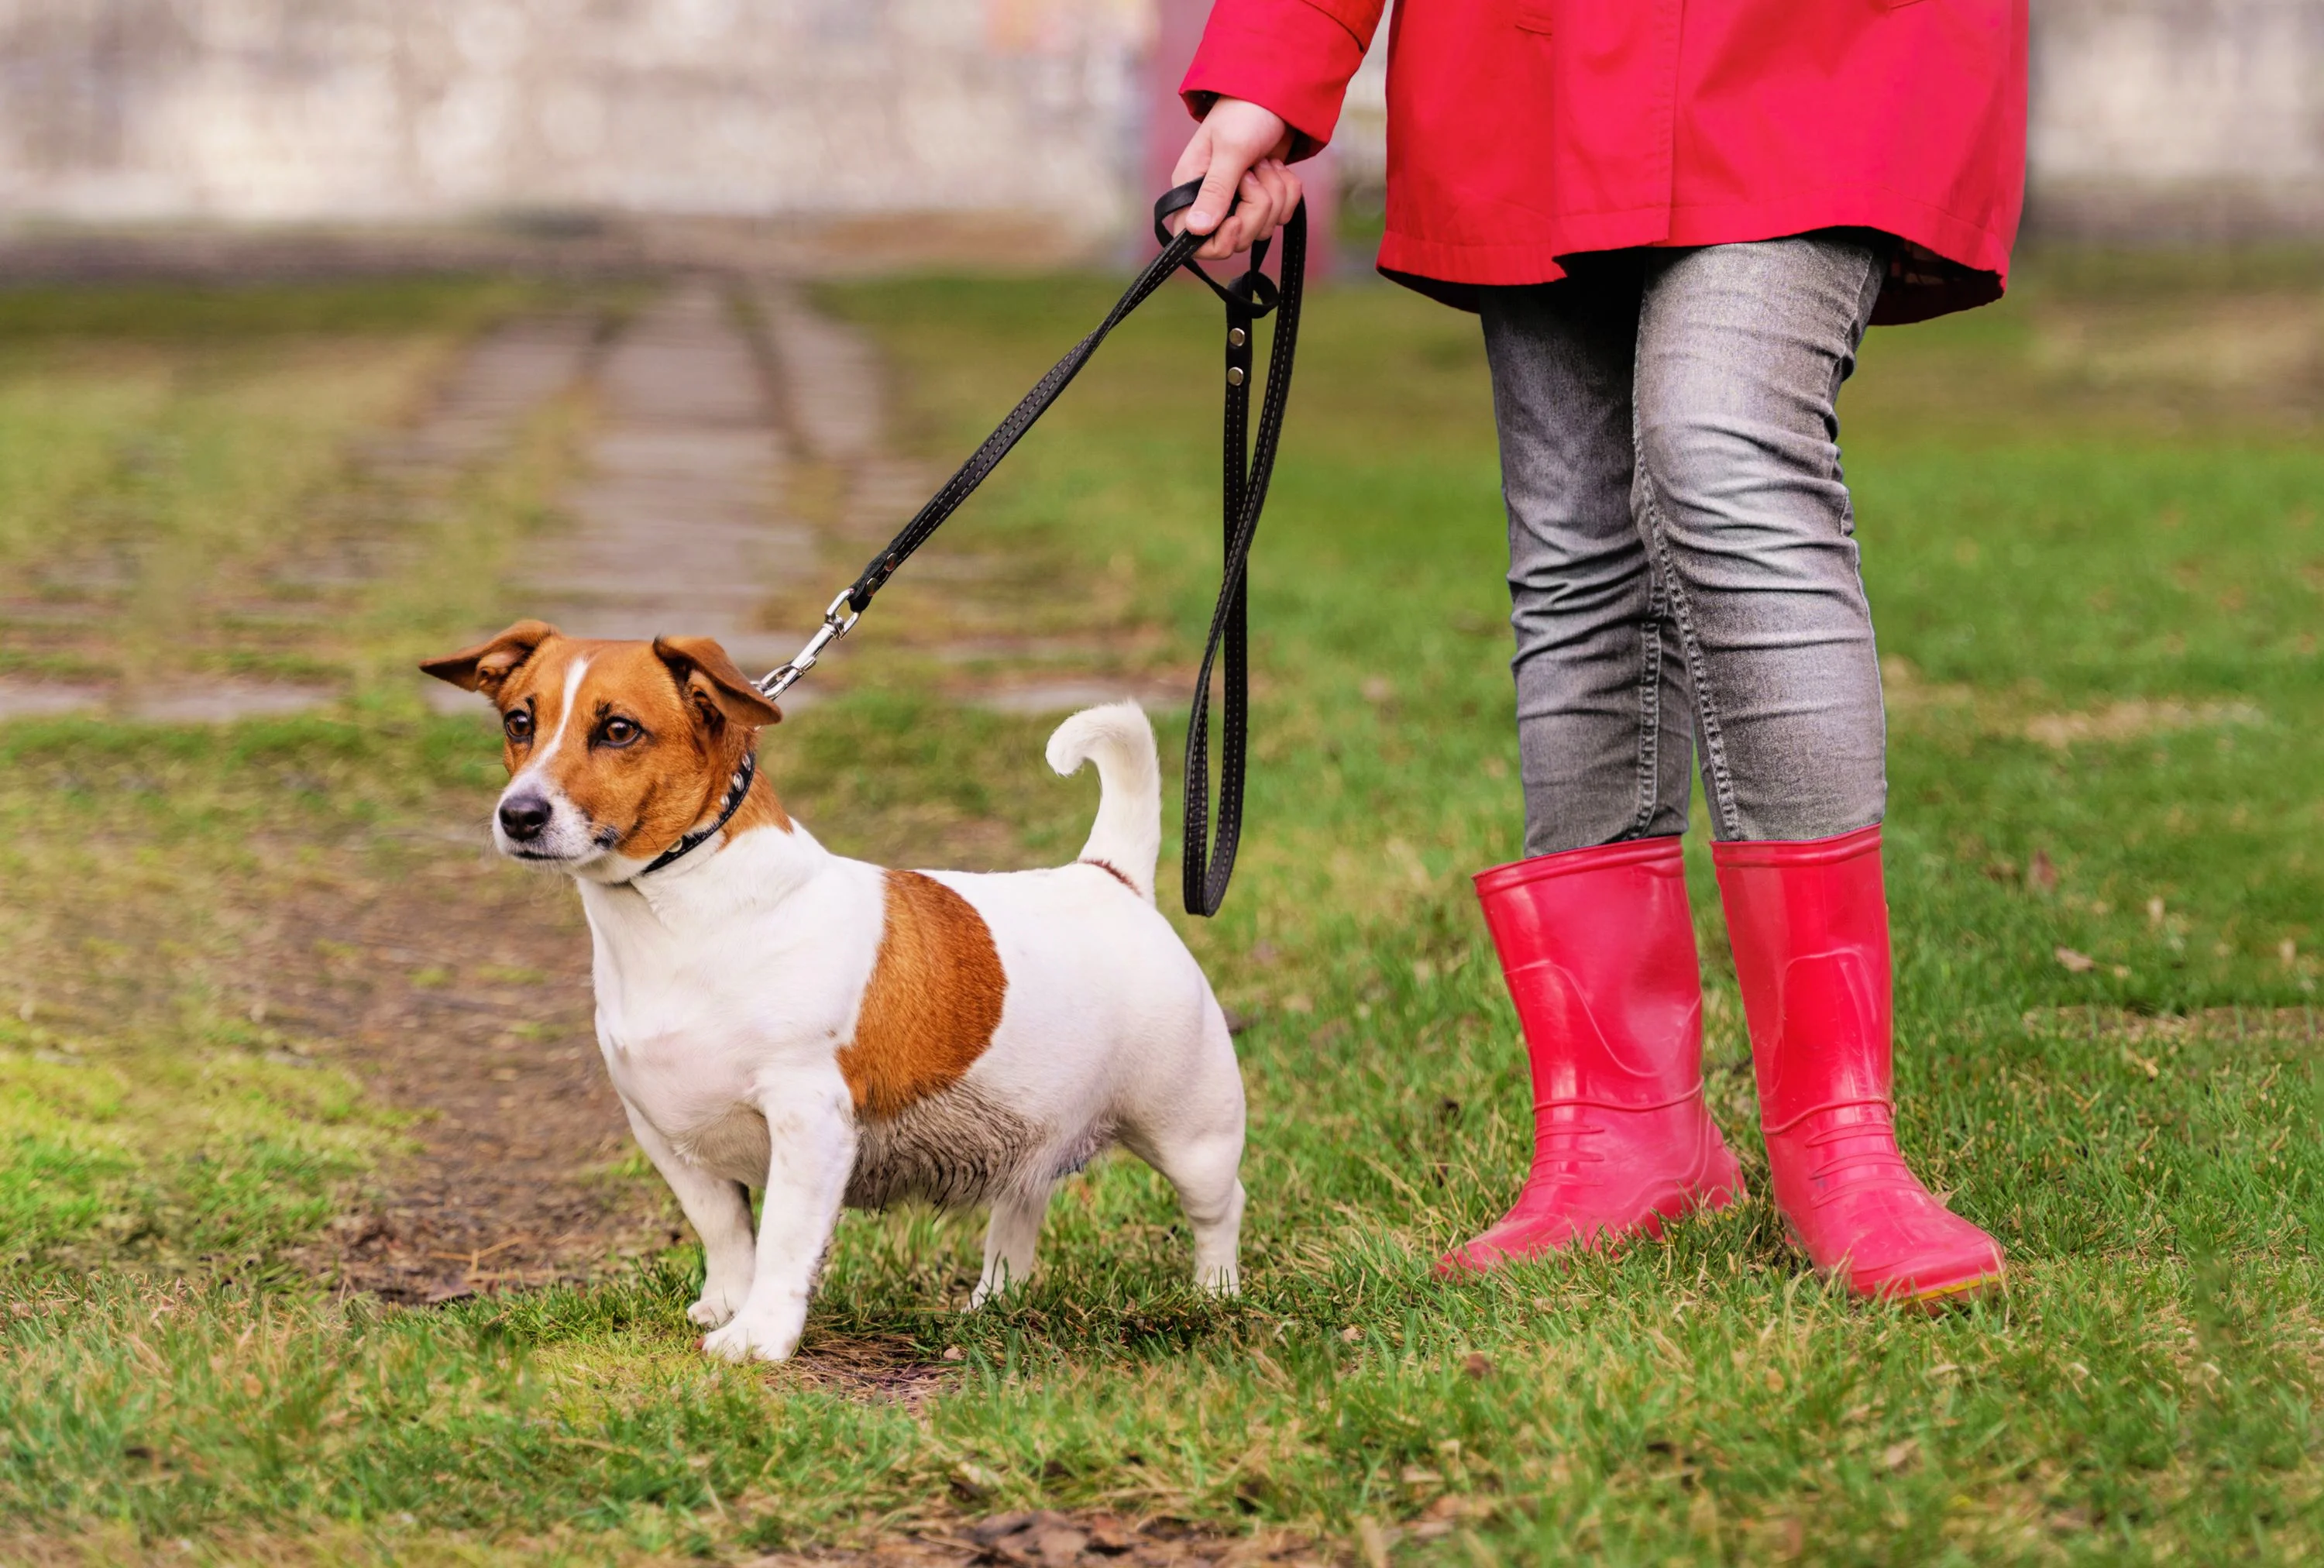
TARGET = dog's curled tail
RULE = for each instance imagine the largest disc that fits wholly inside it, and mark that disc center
(1127, 836)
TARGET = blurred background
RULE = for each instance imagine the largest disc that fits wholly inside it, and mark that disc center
(1026, 125)
(338, 334)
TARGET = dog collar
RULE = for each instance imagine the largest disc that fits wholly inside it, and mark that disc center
(737, 788)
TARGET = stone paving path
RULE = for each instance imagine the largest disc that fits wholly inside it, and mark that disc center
(711, 400)
(678, 525)
(505, 378)
(491, 391)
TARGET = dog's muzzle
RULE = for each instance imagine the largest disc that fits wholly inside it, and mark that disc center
(524, 818)
(533, 823)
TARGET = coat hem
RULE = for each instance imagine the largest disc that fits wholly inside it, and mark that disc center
(1453, 273)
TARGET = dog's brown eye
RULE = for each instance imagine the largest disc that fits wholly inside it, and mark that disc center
(619, 732)
(518, 726)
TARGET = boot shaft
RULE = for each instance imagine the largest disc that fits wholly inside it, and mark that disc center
(1809, 923)
(1598, 949)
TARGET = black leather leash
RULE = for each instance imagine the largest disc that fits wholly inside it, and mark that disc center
(1249, 464)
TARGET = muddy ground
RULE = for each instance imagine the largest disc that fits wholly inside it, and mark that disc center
(461, 997)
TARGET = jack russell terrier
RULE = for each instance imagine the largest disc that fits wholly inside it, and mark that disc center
(776, 1015)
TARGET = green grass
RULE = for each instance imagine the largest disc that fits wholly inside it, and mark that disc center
(2097, 593)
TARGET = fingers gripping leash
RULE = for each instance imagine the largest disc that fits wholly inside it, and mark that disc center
(1208, 863)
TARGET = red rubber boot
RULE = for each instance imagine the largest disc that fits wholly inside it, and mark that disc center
(1598, 949)
(1809, 925)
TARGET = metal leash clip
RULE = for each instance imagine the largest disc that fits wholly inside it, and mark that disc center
(839, 619)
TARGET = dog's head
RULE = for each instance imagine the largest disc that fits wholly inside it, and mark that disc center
(614, 750)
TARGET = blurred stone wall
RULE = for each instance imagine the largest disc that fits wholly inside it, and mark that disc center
(2197, 119)
(336, 110)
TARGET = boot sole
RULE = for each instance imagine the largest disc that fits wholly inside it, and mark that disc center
(1962, 1293)
(1977, 1287)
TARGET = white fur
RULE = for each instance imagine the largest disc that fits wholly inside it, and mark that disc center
(565, 840)
(1128, 833)
(728, 983)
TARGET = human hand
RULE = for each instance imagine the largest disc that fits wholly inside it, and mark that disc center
(1239, 148)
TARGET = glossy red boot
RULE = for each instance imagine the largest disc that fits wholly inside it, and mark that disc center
(1809, 925)
(1598, 949)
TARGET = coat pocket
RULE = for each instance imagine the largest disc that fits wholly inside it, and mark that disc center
(1534, 17)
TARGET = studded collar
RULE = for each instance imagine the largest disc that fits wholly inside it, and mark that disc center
(738, 788)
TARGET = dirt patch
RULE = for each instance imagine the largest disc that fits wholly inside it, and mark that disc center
(2135, 719)
(876, 1369)
(1909, 694)
(2265, 342)
(2242, 1024)
(462, 995)
(1083, 1539)
(1048, 1539)
(28, 699)
(225, 701)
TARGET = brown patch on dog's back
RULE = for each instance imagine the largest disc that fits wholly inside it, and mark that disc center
(933, 1001)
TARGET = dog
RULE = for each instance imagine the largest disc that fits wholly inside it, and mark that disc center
(777, 1016)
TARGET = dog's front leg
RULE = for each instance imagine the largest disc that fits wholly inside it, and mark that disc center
(811, 1138)
(720, 1213)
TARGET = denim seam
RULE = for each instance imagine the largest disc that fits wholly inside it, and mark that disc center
(1650, 698)
(1714, 741)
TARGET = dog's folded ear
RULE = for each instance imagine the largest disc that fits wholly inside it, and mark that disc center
(711, 679)
(485, 666)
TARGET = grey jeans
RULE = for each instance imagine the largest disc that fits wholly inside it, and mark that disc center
(1683, 565)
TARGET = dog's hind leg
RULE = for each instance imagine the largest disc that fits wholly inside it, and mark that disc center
(720, 1213)
(1204, 1171)
(1011, 1241)
(1198, 1148)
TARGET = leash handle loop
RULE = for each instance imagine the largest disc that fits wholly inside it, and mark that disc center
(1207, 862)
(1250, 288)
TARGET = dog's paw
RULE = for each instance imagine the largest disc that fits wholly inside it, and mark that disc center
(724, 1292)
(745, 1340)
(710, 1312)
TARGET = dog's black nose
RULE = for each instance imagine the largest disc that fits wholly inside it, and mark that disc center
(523, 817)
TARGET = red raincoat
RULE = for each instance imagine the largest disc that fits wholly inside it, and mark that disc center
(1521, 131)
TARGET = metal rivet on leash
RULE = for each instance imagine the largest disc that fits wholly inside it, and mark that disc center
(1251, 463)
